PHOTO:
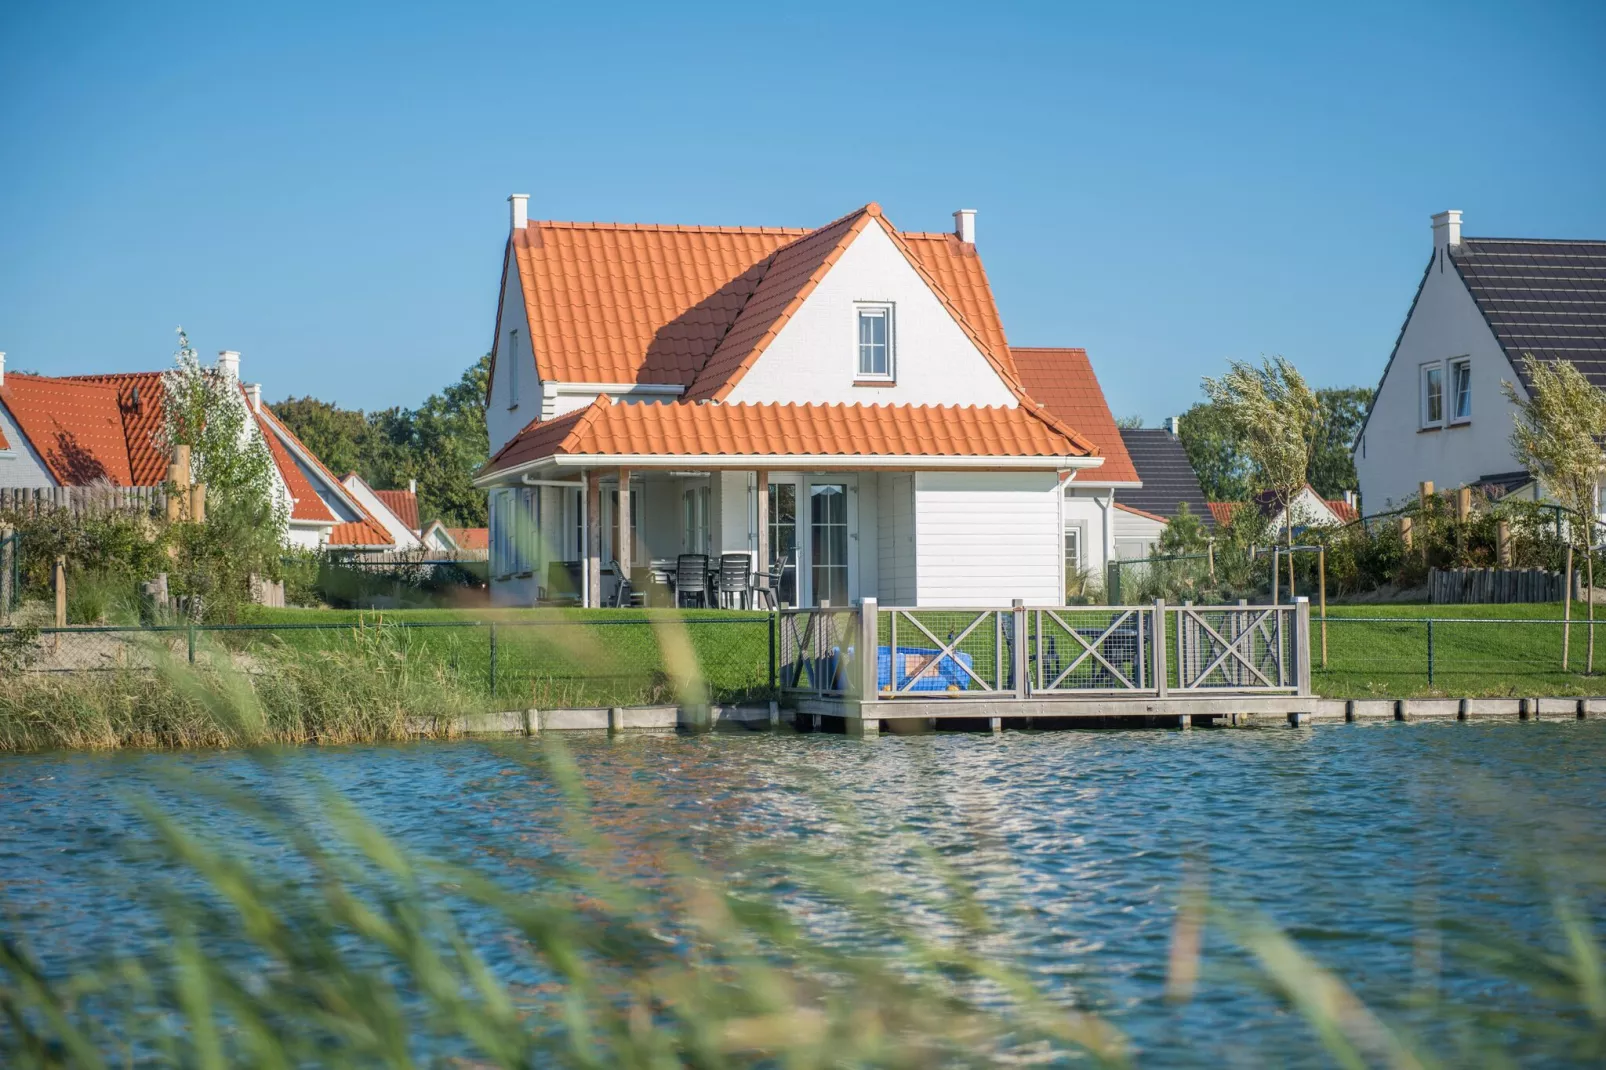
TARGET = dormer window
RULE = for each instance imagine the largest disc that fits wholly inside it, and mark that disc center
(876, 346)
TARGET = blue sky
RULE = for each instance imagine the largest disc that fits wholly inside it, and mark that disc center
(1169, 186)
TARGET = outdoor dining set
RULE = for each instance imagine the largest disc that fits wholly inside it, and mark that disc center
(725, 581)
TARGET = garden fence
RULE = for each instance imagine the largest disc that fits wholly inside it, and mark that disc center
(1456, 656)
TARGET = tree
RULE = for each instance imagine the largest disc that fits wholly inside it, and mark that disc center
(1559, 427)
(247, 509)
(1277, 419)
(1129, 423)
(1216, 453)
(1332, 466)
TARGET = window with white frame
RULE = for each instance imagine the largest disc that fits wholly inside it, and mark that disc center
(876, 342)
(1073, 551)
(1460, 391)
(1432, 395)
(695, 532)
(513, 369)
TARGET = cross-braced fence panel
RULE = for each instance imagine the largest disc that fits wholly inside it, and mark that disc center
(1095, 649)
(1234, 648)
(815, 650)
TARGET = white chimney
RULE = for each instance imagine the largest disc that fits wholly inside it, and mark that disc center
(2, 367)
(1173, 424)
(412, 486)
(520, 203)
(228, 363)
(1446, 230)
(965, 225)
(254, 393)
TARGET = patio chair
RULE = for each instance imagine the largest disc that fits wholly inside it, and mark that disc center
(735, 581)
(628, 590)
(767, 585)
(691, 579)
(563, 581)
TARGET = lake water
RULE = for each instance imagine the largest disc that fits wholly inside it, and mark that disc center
(1352, 838)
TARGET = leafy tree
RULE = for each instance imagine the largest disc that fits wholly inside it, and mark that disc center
(1332, 466)
(1184, 535)
(339, 437)
(1129, 423)
(1277, 418)
(1216, 453)
(1559, 427)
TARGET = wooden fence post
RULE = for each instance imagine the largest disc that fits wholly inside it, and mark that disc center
(1502, 541)
(1321, 583)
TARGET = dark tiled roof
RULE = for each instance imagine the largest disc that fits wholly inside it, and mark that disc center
(1547, 298)
(1499, 484)
(1168, 478)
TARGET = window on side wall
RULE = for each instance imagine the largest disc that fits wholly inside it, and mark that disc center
(1460, 391)
(876, 343)
(513, 369)
(1073, 551)
(1432, 395)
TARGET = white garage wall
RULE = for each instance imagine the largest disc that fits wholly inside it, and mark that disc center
(984, 538)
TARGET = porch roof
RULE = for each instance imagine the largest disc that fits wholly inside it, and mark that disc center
(668, 434)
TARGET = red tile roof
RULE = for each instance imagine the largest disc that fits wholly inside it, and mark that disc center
(1343, 510)
(1063, 380)
(75, 426)
(1141, 512)
(404, 503)
(305, 504)
(681, 429)
(142, 397)
(365, 531)
(471, 538)
(1223, 511)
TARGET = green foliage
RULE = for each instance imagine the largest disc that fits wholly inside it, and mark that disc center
(1275, 418)
(1220, 457)
(108, 549)
(1184, 535)
(1560, 424)
(441, 444)
(1129, 423)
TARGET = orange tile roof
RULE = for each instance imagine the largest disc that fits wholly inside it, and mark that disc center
(1063, 380)
(682, 429)
(142, 397)
(622, 303)
(305, 504)
(1223, 511)
(1343, 510)
(75, 426)
(471, 538)
(364, 532)
(404, 503)
(1140, 512)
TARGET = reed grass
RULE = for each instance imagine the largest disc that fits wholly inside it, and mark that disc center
(374, 687)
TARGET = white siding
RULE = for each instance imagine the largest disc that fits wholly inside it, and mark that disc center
(20, 466)
(399, 533)
(1083, 512)
(815, 356)
(1135, 535)
(985, 538)
(1397, 455)
(864, 541)
(895, 542)
(501, 422)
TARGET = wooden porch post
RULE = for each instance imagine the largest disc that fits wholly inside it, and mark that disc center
(593, 548)
(761, 480)
(621, 536)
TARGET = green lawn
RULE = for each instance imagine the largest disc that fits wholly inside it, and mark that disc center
(542, 657)
(1382, 651)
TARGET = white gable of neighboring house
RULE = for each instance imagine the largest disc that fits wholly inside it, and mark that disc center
(814, 357)
(1136, 533)
(436, 537)
(401, 535)
(1309, 512)
(515, 392)
(1395, 452)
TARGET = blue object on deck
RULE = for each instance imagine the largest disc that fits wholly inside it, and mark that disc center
(921, 663)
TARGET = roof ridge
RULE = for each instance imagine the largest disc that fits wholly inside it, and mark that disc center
(1539, 241)
(675, 228)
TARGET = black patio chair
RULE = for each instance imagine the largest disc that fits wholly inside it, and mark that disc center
(691, 579)
(735, 580)
(767, 586)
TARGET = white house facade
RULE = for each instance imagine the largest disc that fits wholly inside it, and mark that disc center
(840, 404)
(1440, 413)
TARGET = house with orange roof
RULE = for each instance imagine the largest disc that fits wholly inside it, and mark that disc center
(83, 430)
(839, 403)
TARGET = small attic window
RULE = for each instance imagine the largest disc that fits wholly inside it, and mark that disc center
(513, 369)
(876, 345)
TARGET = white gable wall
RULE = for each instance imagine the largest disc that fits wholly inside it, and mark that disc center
(984, 538)
(20, 465)
(1393, 455)
(501, 421)
(814, 358)
(399, 533)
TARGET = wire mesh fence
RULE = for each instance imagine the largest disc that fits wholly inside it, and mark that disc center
(519, 663)
(1459, 656)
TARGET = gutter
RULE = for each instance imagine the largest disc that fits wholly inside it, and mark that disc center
(783, 462)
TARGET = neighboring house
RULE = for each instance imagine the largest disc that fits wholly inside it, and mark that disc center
(1063, 381)
(436, 536)
(1168, 483)
(1309, 509)
(1440, 414)
(394, 510)
(79, 430)
(842, 399)
(469, 540)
